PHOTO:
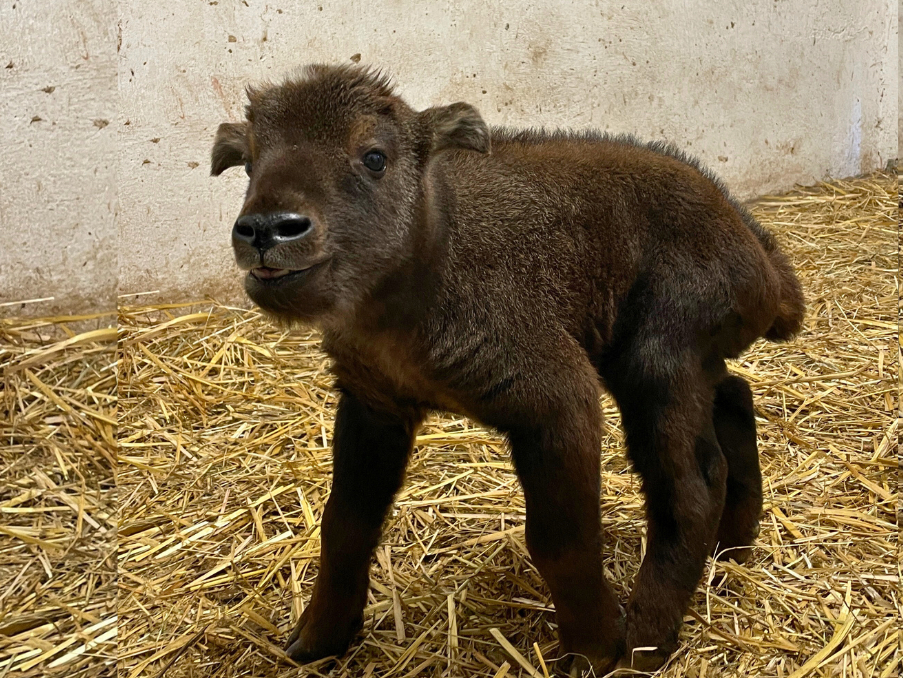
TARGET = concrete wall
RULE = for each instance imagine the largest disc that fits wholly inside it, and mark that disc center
(766, 92)
(58, 104)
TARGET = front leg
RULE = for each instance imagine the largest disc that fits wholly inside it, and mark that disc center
(370, 452)
(556, 452)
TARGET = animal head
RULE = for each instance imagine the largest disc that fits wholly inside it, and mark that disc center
(336, 163)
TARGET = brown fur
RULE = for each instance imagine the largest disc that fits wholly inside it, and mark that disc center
(507, 275)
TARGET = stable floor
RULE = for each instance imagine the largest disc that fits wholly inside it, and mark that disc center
(223, 468)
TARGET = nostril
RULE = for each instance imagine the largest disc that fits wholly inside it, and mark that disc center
(244, 228)
(245, 231)
(264, 231)
(292, 227)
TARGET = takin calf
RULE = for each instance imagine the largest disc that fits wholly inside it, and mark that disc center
(507, 275)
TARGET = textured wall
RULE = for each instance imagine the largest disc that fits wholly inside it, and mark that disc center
(766, 92)
(57, 166)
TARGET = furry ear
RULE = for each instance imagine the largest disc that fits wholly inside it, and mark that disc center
(456, 126)
(230, 147)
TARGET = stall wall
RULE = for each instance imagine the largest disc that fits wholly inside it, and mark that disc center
(112, 162)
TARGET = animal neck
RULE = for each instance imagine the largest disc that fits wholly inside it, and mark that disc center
(402, 301)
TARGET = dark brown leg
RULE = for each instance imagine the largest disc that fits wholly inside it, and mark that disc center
(557, 460)
(735, 426)
(666, 408)
(370, 453)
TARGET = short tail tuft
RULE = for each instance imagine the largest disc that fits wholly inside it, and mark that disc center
(792, 305)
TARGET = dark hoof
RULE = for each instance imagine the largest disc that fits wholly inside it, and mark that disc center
(740, 551)
(602, 659)
(308, 642)
(582, 667)
(648, 650)
(645, 661)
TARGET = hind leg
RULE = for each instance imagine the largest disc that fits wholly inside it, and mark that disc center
(735, 427)
(666, 404)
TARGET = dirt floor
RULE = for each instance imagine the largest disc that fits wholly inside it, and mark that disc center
(224, 425)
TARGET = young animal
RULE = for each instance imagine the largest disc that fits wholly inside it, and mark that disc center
(507, 275)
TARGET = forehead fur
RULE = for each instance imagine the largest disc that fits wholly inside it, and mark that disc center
(321, 98)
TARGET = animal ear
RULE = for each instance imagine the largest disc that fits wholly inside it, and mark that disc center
(456, 126)
(230, 147)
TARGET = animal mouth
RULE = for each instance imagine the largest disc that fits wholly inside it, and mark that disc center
(267, 273)
(275, 276)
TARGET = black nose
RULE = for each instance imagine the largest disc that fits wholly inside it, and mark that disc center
(268, 230)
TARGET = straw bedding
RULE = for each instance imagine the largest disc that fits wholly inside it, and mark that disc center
(224, 468)
(57, 497)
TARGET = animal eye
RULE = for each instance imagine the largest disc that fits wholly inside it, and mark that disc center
(375, 161)
(248, 168)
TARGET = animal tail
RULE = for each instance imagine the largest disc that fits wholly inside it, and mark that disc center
(791, 304)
